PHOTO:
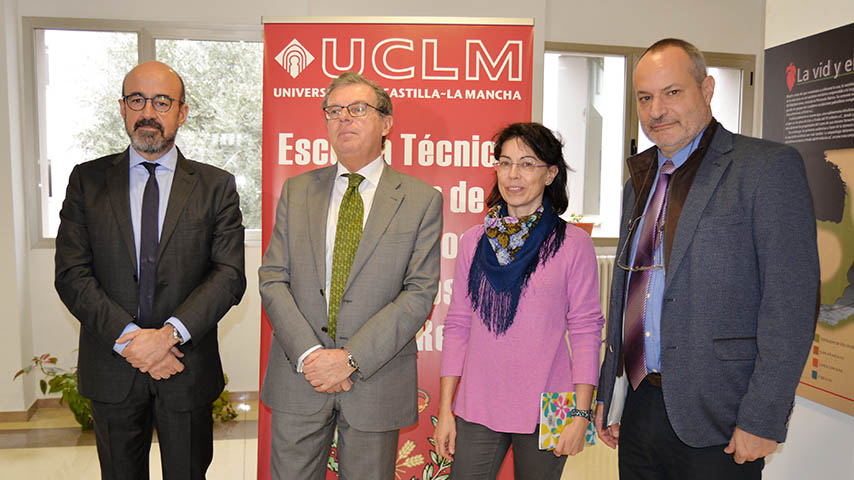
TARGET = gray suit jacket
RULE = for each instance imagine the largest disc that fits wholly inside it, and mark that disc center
(388, 296)
(200, 273)
(739, 307)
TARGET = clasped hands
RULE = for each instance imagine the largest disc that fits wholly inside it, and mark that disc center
(328, 370)
(153, 351)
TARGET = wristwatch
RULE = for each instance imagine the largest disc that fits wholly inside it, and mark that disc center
(176, 335)
(588, 414)
(352, 361)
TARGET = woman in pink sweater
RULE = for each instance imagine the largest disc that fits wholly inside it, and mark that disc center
(523, 280)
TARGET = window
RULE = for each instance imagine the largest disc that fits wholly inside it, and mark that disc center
(586, 106)
(76, 69)
(223, 83)
(76, 75)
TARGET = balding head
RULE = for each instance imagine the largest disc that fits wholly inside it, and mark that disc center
(155, 68)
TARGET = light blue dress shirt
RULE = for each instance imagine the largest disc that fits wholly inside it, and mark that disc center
(138, 174)
(652, 322)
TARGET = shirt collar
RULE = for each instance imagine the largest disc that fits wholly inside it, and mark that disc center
(169, 159)
(372, 171)
(681, 156)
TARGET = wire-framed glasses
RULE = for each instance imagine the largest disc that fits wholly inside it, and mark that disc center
(526, 167)
(632, 226)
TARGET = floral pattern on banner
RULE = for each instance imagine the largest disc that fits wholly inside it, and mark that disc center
(437, 469)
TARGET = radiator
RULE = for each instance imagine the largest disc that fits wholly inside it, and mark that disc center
(606, 272)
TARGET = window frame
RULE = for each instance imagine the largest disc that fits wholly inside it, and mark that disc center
(33, 110)
(747, 63)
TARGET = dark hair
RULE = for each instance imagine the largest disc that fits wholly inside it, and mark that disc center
(698, 63)
(548, 148)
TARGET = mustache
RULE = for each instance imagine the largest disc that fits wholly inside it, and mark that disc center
(148, 122)
(657, 121)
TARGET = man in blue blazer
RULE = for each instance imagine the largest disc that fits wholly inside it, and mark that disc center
(701, 386)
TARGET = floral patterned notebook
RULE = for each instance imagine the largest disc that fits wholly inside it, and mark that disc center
(554, 416)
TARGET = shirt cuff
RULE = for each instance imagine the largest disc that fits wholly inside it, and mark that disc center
(120, 347)
(302, 357)
(185, 334)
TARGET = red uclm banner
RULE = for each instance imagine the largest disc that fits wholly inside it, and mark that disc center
(453, 83)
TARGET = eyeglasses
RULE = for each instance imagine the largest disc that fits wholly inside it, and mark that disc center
(160, 103)
(527, 167)
(629, 235)
(357, 109)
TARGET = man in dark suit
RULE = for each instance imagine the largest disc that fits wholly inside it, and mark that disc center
(713, 303)
(344, 328)
(149, 257)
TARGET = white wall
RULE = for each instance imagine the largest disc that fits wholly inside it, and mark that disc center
(819, 443)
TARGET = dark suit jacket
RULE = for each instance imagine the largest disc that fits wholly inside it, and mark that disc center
(739, 305)
(388, 296)
(200, 273)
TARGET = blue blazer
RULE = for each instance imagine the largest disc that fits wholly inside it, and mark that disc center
(740, 298)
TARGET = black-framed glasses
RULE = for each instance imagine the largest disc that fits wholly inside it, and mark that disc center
(160, 103)
(629, 235)
(356, 109)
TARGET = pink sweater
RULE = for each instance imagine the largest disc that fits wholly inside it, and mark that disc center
(503, 378)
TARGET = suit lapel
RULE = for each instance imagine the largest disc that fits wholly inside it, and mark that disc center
(317, 198)
(118, 185)
(705, 183)
(183, 182)
(387, 199)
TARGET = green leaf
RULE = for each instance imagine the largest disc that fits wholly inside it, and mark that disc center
(434, 457)
(427, 473)
(432, 442)
(43, 386)
(434, 420)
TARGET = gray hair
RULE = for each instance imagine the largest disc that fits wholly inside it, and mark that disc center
(698, 63)
(349, 78)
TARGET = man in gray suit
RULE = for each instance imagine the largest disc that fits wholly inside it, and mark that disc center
(348, 278)
(712, 314)
(149, 257)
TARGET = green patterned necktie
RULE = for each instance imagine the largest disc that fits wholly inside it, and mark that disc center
(347, 235)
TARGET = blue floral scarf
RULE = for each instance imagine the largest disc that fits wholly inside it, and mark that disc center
(509, 251)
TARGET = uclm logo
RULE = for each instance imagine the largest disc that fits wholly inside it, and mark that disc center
(404, 58)
(294, 58)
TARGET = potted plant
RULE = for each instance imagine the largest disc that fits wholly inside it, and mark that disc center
(575, 219)
(64, 381)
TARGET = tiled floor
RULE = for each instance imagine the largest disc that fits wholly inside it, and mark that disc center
(50, 446)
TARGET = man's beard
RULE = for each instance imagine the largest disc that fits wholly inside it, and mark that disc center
(149, 142)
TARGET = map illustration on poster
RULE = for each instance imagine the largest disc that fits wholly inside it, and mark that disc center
(809, 104)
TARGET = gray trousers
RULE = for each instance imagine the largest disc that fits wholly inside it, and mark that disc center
(300, 447)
